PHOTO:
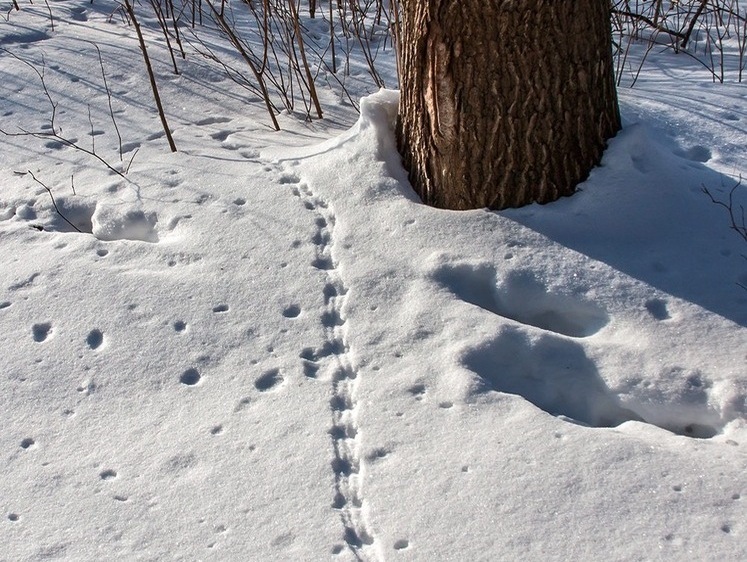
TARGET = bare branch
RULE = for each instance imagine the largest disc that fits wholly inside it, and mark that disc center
(131, 13)
(54, 203)
(736, 216)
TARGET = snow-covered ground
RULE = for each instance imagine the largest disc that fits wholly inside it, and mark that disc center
(263, 347)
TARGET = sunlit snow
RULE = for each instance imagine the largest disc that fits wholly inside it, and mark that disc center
(264, 347)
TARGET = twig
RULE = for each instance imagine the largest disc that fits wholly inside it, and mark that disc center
(51, 19)
(236, 42)
(651, 23)
(693, 21)
(738, 223)
(127, 169)
(93, 133)
(131, 13)
(109, 98)
(52, 133)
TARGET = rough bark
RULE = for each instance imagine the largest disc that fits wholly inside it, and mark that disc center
(505, 102)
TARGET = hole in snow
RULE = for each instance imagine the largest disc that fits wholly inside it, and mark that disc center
(268, 380)
(696, 153)
(521, 297)
(95, 339)
(292, 311)
(555, 375)
(401, 544)
(190, 377)
(41, 331)
(108, 474)
(78, 211)
(552, 373)
(658, 309)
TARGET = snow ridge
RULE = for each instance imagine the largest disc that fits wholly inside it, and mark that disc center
(347, 463)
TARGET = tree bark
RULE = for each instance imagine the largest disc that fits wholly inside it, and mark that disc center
(505, 102)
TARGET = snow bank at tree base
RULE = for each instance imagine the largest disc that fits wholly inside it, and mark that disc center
(556, 318)
(544, 368)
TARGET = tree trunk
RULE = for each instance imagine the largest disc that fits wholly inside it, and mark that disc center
(504, 102)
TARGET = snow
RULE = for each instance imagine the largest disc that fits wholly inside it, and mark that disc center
(263, 347)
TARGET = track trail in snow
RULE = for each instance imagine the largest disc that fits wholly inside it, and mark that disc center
(334, 357)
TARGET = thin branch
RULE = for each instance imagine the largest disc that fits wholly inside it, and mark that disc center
(737, 217)
(54, 203)
(93, 133)
(51, 19)
(131, 13)
(52, 133)
(109, 98)
(650, 23)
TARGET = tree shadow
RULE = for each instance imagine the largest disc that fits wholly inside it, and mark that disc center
(643, 212)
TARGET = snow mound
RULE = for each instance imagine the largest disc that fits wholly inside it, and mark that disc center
(74, 213)
(552, 372)
(686, 401)
(111, 222)
(521, 297)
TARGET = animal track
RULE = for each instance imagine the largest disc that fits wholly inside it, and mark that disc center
(292, 311)
(41, 331)
(213, 121)
(334, 355)
(190, 377)
(78, 14)
(658, 309)
(401, 544)
(95, 339)
(417, 391)
(696, 153)
(268, 380)
(221, 135)
(521, 297)
(108, 474)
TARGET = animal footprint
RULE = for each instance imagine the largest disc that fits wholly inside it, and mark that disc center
(108, 474)
(268, 380)
(292, 311)
(95, 339)
(288, 178)
(212, 121)
(41, 331)
(190, 377)
(658, 309)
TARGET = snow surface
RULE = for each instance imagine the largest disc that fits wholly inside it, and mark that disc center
(263, 347)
